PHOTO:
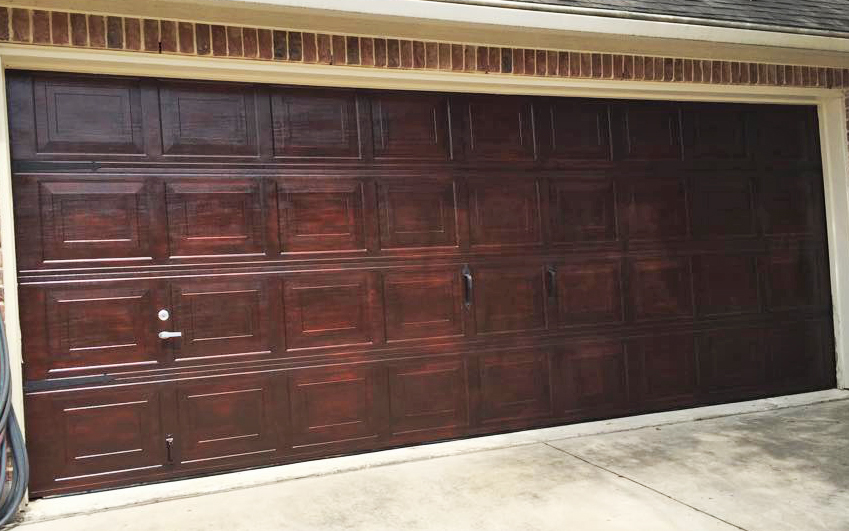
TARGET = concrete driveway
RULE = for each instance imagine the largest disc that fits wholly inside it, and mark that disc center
(785, 468)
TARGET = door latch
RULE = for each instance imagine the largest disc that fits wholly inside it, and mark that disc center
(169, 444)
(169, 335)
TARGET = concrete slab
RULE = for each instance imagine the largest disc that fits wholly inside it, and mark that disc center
(780, 470)
(54, 508)
(531, 487)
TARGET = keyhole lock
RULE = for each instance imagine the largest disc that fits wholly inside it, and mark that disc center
(163, 315)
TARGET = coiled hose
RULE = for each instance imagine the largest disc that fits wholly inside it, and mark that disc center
(14, 484)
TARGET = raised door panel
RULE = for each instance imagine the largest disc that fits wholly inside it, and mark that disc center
(591, 378)
(514, 386)
(726, 284)
(500, 128)
(654, 209)
(88, 116)
(504, 212)
(69, 330)
(579, 130)
(208, 120)
(786, 133)
(226, 419)
(588, 293)
(716, 132)
(215, 218)
(417, 214)
(660, 288)
(722, 206)
(423, 304)
(315, 123)
(329, 310)
(664, 369)
(790, 203)
(428, 395)
(94, 220)
(334, 407)
(321, 217)
(222, 319)
(509, 299)
(791, 280)
(410, 127)
(732, 360)
(89, 436)
(649, 131)
(796, 356)
(583, 211)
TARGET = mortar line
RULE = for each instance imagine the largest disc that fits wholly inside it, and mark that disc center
(635, 482)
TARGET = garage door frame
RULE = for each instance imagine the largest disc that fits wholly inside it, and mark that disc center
(831, 107)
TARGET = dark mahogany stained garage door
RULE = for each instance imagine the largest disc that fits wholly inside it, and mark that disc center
(353, 270)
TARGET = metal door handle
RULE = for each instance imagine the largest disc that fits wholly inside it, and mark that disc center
(552, 281)
(169, 335)
(467, 285)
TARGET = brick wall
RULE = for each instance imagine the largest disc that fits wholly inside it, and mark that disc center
(57, 28)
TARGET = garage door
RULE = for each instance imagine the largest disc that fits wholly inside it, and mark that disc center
(217, 276)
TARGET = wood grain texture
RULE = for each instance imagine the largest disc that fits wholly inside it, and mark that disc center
(357, 269)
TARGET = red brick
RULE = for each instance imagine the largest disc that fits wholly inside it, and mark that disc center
(744, 73)
(234, 41)
(418, 54)
(4, 23)
(597, 69)
(58, 27)
(132, 34)
(482, 60)
(678, 70)
(457, 57)
(96, 31)
(494, 59)
(219, 40)
(281, 45)
(432, 55)
(393, 53)
(40, 27)
(563, 64)
(264, 44)
(444, 56)
(203, 39)
(249, 41)
(367, 51)
(469, 58)
(648, 68)
(325, 48)
(168, 36)
(79, 30)
(296, 50)
(21, 25)
(150, 29)
(628, 67)
(530, 62)
(380, 52)
(541, 62)
(506, 60)
(586, 65)
(406, 54)
(186, 37)
(618, 67)
(309, 48)
(687, 66)
(115, 32)
(518, 61)
(339, 50)
(574, 64)
(352, 50)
